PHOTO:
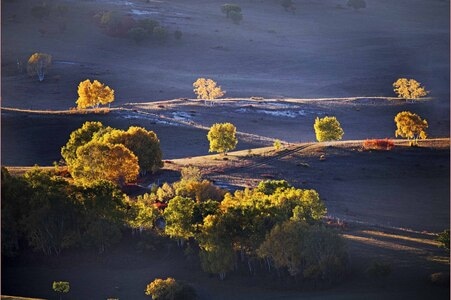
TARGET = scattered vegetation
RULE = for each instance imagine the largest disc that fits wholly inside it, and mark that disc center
(440, 279)
(410, 126)
(228, 8)
(356, 4)
(379, 269)
(409, 89)
(61, 287)
(378, 144)
(277, 145)
(222, 137)
(92, 94)
(170, 289)
(328, 129)
(443, 239)
(38, 64)
(207, 89)
(288, 5)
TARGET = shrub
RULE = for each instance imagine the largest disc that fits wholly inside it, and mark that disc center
(137, 34)
(378, 144)
(277, 145)
(356, 4)
(440, 278)
(236, 17)
(40, 11)
(228, 8)
(170, 289)
(379, 269)
(149, 25)
(443, 238)
(177, 34)
(160, 33)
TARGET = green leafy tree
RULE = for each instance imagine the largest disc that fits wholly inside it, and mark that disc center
(142, 214)
(38, 64)
(179, 218)
(283, 246)
(78, 138)
(328, 129)
(104, 161)
(15, 194)
(61, 287)
(207, 89)
(104, 215)
(92, 94)
(409, 89)
(410, 126)
(356, 4)
(222, 137)
(50, 220)
(143, 143)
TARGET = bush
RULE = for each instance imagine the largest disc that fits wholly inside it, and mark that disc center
(160, 33)
(40, 11)
(378, 144)
(440, 278)
(236, 17)
(443, 238)
(177, 34)
(137, 34)
(379, 269)
(148, 25)
(170, 289)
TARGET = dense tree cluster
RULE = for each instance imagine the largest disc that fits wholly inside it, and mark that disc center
(273, 225)
(118, 25)
(49, 215)
(96, 152)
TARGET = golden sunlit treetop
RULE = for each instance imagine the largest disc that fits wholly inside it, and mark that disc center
(409, 89)
(410, 126)
(93, 94)
(207, 89)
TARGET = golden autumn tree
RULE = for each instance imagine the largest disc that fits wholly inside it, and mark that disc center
(207, 89)
(409, 89)
(38, 64)
(410, 126)
(103, 161)
(92, 94)
(222, 137)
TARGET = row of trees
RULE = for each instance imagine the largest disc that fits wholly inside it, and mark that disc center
(222, 136)
(96, 152)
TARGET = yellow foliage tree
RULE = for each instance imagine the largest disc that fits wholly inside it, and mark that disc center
(92, 94)
(410, 126)
(222, 137)
(103, 161)
(38, 63)
(207, 89)
(409, 89)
